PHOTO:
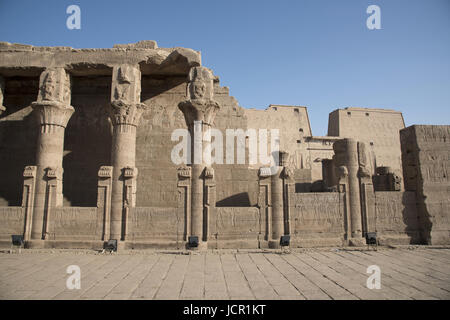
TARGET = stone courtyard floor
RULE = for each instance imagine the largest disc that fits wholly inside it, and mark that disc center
(329, 273)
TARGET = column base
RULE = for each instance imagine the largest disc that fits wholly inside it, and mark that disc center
(357, 242)
(121, 245)
(274, 244)
(35, 244)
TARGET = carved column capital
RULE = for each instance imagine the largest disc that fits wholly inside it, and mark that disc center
(126, 114)
(126, 107)
(200, 105)
(53, 103)
(199, 110)
(53, 113)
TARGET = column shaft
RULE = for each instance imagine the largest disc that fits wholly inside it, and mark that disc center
(197, 201)
(277, 206)
(54, 111)
(49, 154)
(353, 184)
(123, 155)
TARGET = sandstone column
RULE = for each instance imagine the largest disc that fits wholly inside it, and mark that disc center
(346, 154)
(367, 190)
(125, 112)
(199, 112)
(277, 208)
(279, 201)
(54, 111)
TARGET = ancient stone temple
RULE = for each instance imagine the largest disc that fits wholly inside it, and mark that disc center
(90, 143)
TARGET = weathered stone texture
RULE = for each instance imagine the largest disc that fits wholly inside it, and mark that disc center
(154, 223)
(377, 128)
(426, 160)
(65, 113)
(233, 223)
(12, 222)
(395, 218)
(315, 217)
(74, 223)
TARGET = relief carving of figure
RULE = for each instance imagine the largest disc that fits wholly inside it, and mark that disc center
(199, 90)
(49, 85)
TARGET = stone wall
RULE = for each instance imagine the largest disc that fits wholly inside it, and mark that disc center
(236, 187)
(157, 173)
(87, 141)
(395, 219)
(74, 223)
(235, 227)
(426, 161)
(316, 219)
(293, 125)
(12, 222)
(377, 128)
(156, 224)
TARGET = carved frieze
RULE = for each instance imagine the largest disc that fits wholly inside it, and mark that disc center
(184, 172)
(264, 172)
(54, 173)
(29, 172)
(130, 172)
(105, 172)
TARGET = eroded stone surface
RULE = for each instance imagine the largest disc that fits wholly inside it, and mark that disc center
(85, 156)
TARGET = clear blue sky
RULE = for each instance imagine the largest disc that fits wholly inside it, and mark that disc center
(319, 53)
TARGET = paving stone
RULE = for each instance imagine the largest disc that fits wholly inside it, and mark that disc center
(313, 274)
